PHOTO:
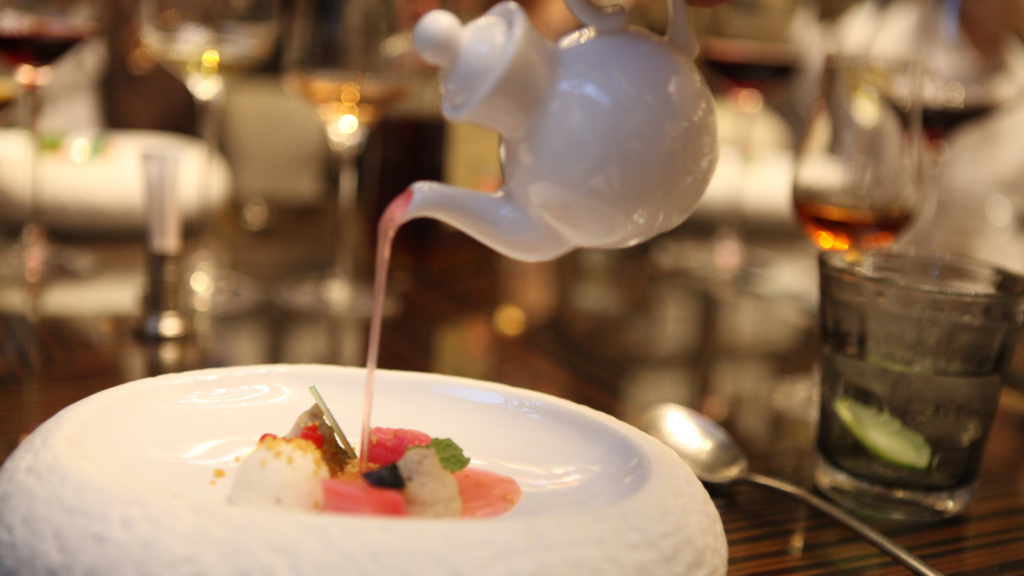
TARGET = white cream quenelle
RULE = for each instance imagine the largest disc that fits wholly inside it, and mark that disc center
(608, 136)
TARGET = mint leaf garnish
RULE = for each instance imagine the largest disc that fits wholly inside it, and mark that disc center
(448, 452)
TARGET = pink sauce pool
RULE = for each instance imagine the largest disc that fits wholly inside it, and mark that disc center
(361, 498)
(486, 494)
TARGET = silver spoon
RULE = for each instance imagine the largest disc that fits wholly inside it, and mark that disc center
(716, 459)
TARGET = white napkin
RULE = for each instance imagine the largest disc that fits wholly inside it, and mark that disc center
(111, 293)
(95, 181)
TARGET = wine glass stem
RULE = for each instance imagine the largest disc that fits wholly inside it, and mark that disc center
(203, 273)
(209, 111)
(729, 250)
(33, 235)
(347, 236)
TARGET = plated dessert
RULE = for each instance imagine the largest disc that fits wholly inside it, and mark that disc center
(139, 478)
(407, 473)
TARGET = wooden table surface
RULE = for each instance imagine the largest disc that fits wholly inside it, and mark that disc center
(613, 330)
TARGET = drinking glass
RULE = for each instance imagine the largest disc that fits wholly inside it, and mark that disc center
(348, 58)
(33, 35)
(914, 351)
(858, 176)
(199, 41)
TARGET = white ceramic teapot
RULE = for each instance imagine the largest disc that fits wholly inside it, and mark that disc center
(608, 137)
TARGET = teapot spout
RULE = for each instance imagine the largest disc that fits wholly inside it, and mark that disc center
(496, 220)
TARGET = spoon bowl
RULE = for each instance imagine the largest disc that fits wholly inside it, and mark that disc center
(705, 446)
(716, 458)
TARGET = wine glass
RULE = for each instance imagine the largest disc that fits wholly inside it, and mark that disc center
(968, 65)
(973, 77)
(858, 176)
(749, 52)
(33, 35)
(348, 58)
(199, 41)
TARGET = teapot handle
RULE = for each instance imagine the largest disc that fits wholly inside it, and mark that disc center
(614, 18)
(680, 33)
(611, 19)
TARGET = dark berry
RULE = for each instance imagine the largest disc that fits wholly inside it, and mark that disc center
(386, 477)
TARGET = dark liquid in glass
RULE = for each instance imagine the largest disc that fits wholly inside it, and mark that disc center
(37, 48)
(939, 122)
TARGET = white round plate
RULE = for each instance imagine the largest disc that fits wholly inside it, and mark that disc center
(123, 483)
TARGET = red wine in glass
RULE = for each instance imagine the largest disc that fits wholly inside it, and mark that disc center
(38, 47)
(939, 122)
(747, 63)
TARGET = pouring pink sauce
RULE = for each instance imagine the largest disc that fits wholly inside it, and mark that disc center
(484, 494)
(387, 228)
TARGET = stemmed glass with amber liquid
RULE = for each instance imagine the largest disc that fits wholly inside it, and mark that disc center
(200, 42)
(858, 179)
(349, 59)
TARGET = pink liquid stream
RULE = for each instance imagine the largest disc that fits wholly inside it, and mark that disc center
(390, 221)
(484, 494)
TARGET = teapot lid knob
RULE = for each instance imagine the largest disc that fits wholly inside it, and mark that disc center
(438, 37)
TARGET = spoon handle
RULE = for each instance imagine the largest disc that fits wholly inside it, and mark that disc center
(897, 552)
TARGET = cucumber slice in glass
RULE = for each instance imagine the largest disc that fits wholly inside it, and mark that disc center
(884, 435)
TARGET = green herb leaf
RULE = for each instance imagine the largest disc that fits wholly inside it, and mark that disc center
(50, 142)
(448, 452)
